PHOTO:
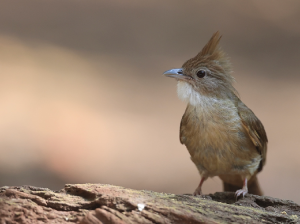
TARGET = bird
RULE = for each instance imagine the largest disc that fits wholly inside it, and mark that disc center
(222, 135)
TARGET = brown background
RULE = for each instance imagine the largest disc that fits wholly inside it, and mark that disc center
(83, 99)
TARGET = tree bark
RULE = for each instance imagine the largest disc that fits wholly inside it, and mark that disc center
(103, 204)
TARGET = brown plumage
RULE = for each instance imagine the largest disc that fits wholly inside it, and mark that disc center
(222, 135)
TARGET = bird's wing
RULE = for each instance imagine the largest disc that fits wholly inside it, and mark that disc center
(182, 129)
(255, 130)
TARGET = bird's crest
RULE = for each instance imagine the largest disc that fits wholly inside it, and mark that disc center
(211, 46)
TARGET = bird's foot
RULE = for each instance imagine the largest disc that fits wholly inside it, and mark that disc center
(240, 192)
(198, 191)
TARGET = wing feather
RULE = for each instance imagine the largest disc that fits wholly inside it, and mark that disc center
(255, 130)
(182, 128)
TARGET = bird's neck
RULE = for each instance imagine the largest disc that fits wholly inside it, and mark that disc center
(187, 94)
(207, 108)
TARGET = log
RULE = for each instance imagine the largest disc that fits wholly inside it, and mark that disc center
(103, 204)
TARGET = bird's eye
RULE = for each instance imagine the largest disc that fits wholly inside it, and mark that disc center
(201, 73)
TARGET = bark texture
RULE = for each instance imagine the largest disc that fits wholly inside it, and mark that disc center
(106, 204)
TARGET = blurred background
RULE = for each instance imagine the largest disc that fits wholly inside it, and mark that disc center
(83, 98)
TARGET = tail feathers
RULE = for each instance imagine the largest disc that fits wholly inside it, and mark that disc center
(253, 187)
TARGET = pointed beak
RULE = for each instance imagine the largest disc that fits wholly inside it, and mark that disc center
(177, 74)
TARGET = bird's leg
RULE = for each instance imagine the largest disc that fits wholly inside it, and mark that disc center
(198, 189)
(242, 191)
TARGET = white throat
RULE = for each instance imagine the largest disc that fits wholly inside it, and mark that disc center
(187, 94)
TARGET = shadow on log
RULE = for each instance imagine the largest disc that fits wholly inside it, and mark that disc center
(108, 204)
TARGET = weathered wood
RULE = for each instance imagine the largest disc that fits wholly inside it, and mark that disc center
(102, 204)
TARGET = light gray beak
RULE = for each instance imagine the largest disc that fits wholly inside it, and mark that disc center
(177, 74)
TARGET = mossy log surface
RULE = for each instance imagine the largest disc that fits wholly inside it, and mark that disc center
(102, 204)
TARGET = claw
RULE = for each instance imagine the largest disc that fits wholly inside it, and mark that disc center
(197, 191)
(240, 192)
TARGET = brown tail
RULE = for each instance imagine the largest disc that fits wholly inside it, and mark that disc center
(253, 187)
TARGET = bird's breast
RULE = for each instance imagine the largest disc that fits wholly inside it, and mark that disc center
(214, 136)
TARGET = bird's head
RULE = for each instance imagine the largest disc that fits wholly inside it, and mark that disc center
(208, 73)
